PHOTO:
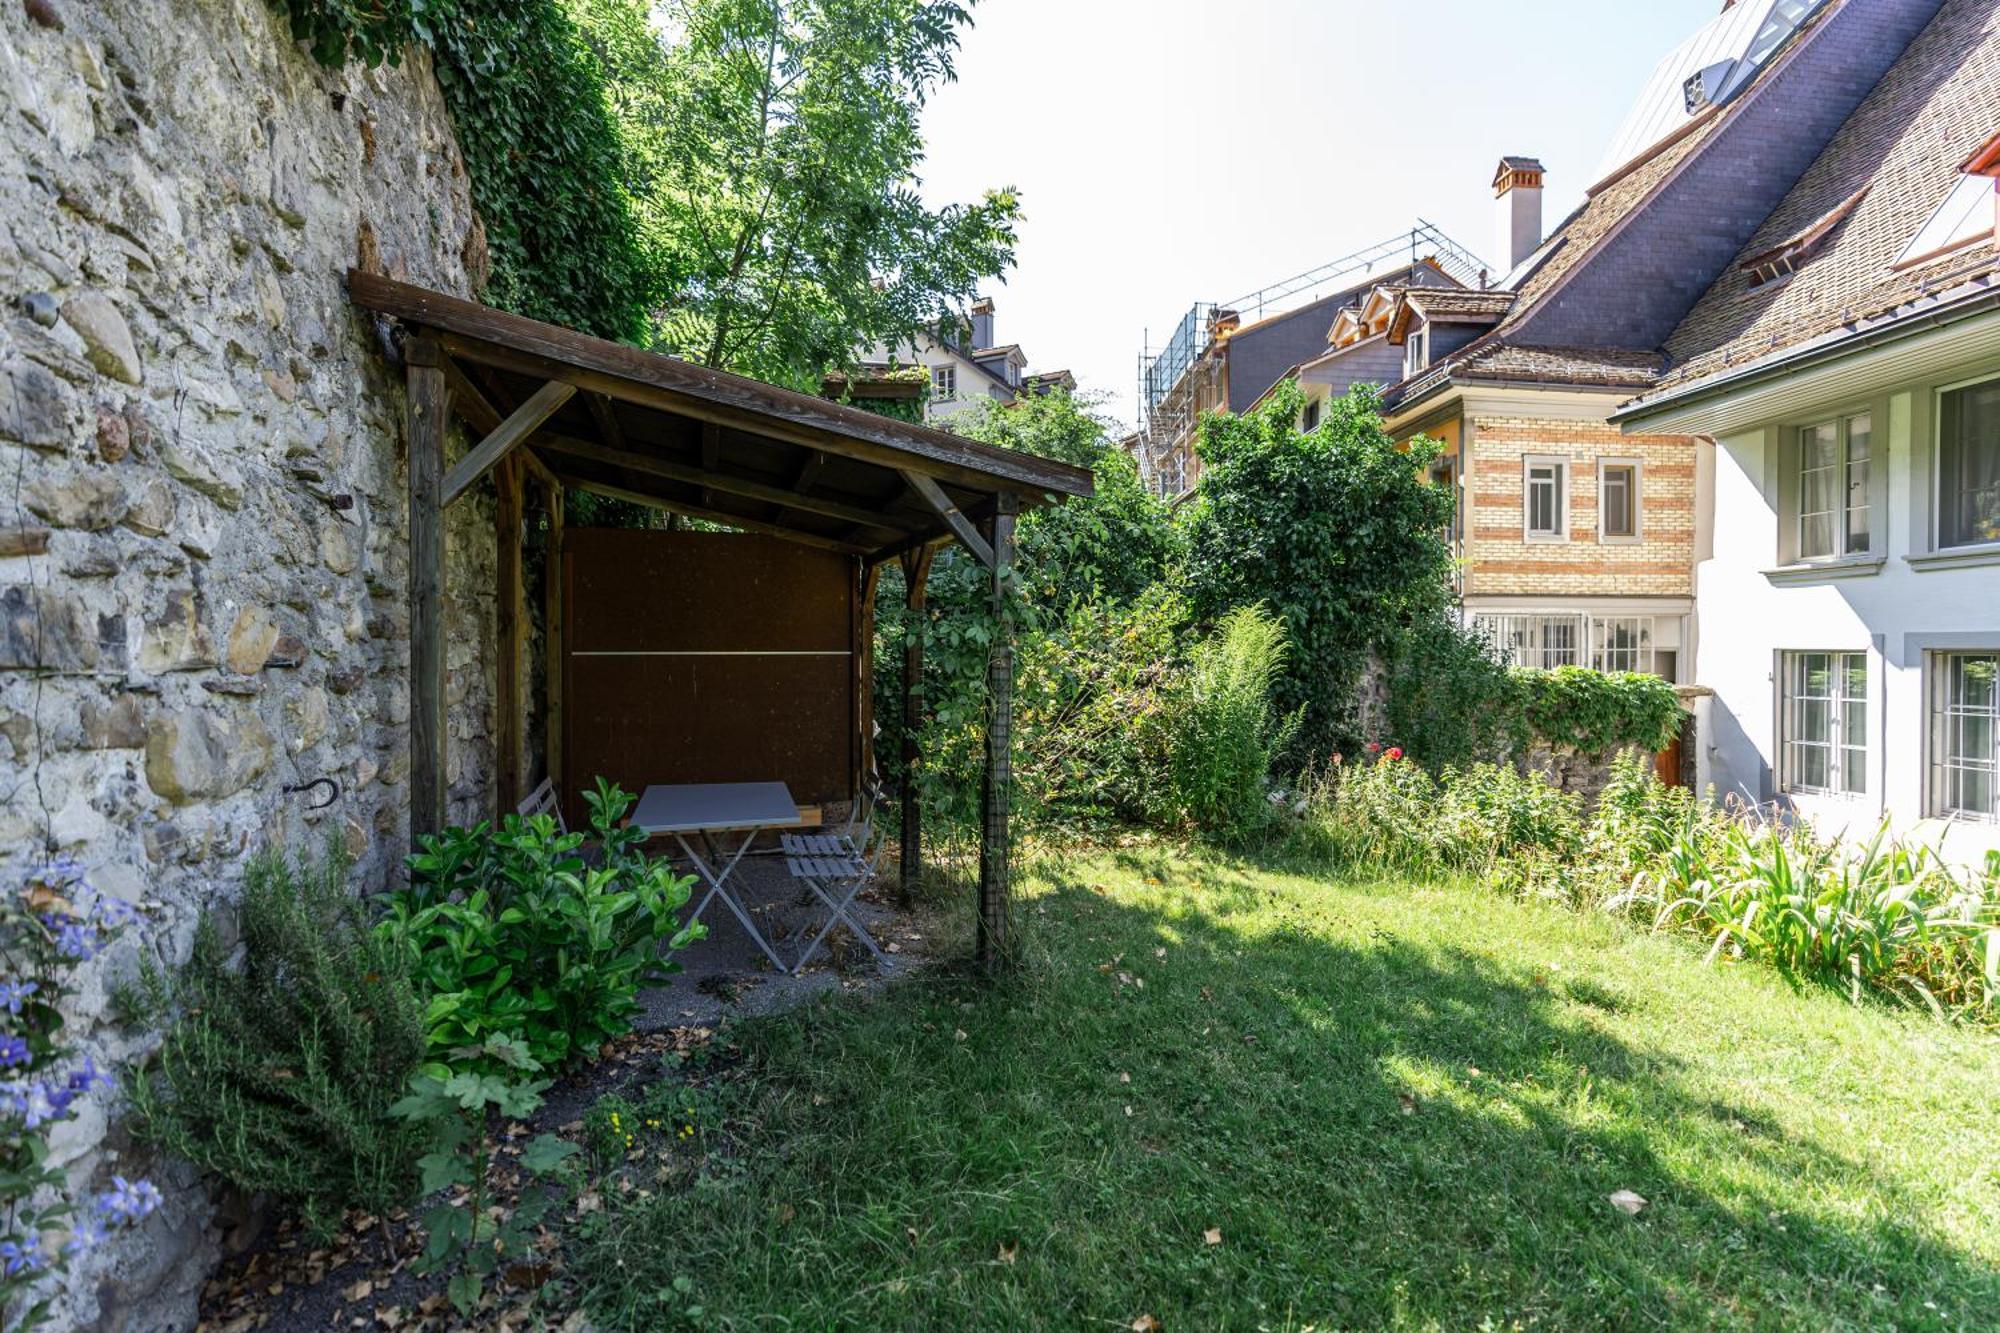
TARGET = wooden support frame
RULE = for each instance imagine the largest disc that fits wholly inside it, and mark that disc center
(869, 578)
(996, 799)
(935, 497)
(553, 584)
(511, 632)
(916, 577)
(429, 416)
(711, 515)
(525, 421)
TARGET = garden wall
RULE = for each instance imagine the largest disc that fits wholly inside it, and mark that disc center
(202, 516)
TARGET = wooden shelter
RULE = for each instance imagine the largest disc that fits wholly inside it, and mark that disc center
(577, 412)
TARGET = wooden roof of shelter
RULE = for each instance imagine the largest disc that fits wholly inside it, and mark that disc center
(640, 426)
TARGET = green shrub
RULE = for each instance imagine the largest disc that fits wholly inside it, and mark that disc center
(1597, 712)
(278, 1075)
(511, 934)
(1450, 701)
(1222, 730)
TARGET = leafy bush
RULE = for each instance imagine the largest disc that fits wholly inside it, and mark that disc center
(1335, 531)
(1597, 712)
(510, 933)
(1450, 701)
(1222, 730)
(278, 1075)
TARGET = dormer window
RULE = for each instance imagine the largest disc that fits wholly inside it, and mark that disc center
(1795, 251)
(1416, 351)
(1965, 216)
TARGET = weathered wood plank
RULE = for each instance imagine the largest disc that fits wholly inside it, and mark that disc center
(429, 416)
(935, 497)
(525, 421)
(731, 400)
(606, 417)
(710, 515)
(554, 632)
(997, 797)
(511, 633)
(870, 577)
(470, 402)
(750, 490)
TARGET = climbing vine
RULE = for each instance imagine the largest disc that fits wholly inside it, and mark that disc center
(530, 106)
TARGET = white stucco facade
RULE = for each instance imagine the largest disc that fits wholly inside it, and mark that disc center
(1904, 605)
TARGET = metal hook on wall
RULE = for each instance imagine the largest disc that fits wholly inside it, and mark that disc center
(332, 792)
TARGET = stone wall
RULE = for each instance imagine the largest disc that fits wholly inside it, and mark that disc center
(202, 515)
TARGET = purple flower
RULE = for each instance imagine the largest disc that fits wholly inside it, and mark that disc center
(13, 1050)
(89, 1233)
(114, 913)
(16, 1258)
(75, 939)
(90, 1076)
(12, 994)
(127, 1201)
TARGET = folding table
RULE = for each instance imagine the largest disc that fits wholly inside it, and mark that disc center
(704, 810)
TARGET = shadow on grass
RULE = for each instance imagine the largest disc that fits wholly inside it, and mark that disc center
(1384, 1131)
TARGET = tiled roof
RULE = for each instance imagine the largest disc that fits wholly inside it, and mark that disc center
(1519, 362)
(1904, 146)
(1449, 304)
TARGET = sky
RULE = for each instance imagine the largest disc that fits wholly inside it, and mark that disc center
(1174, 151)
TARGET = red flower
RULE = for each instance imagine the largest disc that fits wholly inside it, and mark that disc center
(1395, 752)
(1374, 748)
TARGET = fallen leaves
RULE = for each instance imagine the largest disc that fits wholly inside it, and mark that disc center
(1212, 1236)
(1627, 1202)
(1009, 1253)
(1145, 1323)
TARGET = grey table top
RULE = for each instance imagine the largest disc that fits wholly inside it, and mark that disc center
(716, 807)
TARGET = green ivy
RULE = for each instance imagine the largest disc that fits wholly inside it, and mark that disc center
(529, 102)
(1597, 712)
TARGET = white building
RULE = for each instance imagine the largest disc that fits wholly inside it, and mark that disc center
(968, 371)
(1846, 375)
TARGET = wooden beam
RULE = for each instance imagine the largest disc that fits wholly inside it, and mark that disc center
(429, 417)
(933, 495)
(808, 476)
(916, 577)
(479, 333)
(997, 796)
(606, 417)
(469, 402)
(531, 460)
(749, 490)
(710, 515)
(554, 633)
(526, 420)
(925, 542)
(511, 633)
(870, 577)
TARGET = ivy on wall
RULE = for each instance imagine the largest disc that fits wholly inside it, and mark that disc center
(529, 103)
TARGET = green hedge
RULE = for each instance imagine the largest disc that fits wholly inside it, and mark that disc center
(1597, 712)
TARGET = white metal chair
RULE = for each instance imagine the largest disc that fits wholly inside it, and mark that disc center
(542, 801)
(836, 866)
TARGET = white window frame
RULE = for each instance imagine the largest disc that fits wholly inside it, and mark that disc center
(1937, 498)
(1523, 638)
(1529, 465)
(1842, 425)
(944, 383)
(1941, 715)
(1416, 351)
(1309, 416)
(1847, 761)
(1638, 532)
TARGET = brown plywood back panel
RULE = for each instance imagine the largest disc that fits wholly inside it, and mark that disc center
(708, 657)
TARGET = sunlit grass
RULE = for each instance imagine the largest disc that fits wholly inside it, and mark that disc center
(1399, 1106)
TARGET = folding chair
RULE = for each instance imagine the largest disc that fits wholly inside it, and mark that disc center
(836, 867)
(542, 801)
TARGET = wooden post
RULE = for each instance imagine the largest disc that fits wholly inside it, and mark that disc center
(864, 674)
(511, 634)
(552, 640)
(997, 796)
(916, 573)
(430, 409)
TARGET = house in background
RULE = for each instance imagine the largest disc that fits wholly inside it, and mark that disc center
(1216, 362)
(965, 371)
(1576, 537)
(1846, 367)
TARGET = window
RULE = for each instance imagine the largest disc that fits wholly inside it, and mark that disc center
(1965, 736)
(1546, 640)
(1546, 501)
(944, 383)
(1968, 490)
(1965, 216)
(1824, 723)
(1309, 419)
(1834, 466)
(1618, 501)
(1416, 351)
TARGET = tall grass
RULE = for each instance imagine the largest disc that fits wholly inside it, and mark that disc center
(1889, 916)
(1221, 730)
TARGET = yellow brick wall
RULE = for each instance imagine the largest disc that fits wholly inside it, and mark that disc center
(1500, 561)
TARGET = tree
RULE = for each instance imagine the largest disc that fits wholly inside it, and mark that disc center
(774, 147)
(1336, 530)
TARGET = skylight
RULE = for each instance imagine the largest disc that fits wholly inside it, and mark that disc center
(1709, 68)
(1965, 215)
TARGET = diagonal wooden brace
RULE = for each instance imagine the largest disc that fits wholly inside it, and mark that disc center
(527, 419)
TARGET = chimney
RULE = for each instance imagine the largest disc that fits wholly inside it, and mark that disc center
(1518, 187)
(982, 323)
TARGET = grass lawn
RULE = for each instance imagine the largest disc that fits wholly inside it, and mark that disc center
(1398, 1106)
